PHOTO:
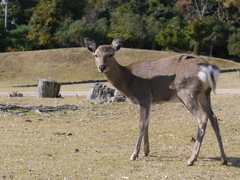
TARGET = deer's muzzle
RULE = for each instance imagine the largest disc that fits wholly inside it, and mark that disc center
(102, 68)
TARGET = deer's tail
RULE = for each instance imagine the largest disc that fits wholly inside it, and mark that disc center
(209, 74)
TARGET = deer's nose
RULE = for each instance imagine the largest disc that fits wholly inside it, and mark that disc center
(102, 68)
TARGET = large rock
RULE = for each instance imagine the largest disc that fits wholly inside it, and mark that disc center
(104, 94)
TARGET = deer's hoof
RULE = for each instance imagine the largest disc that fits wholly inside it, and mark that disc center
(146, 154)
(133, 157)
(191, 162)
(224, 163)
(189, 165)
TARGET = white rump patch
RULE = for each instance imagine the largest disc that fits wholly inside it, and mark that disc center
(209, 76)
(202, 75)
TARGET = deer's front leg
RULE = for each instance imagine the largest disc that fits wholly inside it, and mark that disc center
(143, 130)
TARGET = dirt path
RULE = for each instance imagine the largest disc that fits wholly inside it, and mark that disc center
(63, 93)
(227, 91)
(85, 93)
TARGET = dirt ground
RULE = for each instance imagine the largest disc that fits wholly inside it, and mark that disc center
(85, 93)
(95, 142)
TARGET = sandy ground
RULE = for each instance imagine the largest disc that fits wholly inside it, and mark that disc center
(63, 93)
(227, 91)
(85, 93)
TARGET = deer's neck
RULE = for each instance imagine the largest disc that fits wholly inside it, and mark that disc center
(119, 77)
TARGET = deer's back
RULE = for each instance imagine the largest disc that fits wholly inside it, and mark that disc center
(166, 76)
(186, 64)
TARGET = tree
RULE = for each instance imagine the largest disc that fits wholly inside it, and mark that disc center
(71, 33)
(44, 21)
(97, 9)
(134, 33)
(197, 30)
(19, 37)
(46, 18)
(173, 37)
(234, 43)
(63, 34)
(202, 25)
(148, 18)
(74, 8)
(218, 38)
(4, 37)
(20, 10)
(229, 3)
(153, 26)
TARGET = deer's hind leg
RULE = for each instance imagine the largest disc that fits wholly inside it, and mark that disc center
(206, 104)
(146, 142)
(190, 101)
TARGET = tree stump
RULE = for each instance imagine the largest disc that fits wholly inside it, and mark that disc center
(48, 88)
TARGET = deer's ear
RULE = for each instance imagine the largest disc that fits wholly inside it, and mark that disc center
(117, 43)
(90, 44)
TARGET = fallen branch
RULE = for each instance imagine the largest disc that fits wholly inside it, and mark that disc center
(16, 113)
(38, 109)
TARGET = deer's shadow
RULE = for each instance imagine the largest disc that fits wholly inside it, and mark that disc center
(232, 161)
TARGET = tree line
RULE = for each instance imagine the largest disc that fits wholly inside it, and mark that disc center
(207, 27)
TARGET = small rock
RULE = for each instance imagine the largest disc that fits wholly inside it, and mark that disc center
(76, 150)
(15, 94)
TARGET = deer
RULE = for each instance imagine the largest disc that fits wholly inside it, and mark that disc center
(188, 78)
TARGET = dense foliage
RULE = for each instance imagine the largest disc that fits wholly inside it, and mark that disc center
(209, 27)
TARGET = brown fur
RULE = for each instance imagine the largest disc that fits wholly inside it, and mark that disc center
(180, 77)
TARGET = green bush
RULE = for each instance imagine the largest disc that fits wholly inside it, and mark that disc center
(19, 37)
(234, 44)
(4, 38)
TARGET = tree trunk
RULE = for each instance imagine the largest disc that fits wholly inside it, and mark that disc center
(48, 88)
(198, 47)
(211, 50)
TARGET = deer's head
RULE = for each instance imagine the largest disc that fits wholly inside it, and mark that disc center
(104, 54)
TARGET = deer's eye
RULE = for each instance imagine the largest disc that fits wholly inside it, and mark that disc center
(95, 55)
(110, 55)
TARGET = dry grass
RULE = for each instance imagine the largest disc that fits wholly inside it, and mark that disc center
(104, 136)
(229, 80)
(73, 64)
(97, 141)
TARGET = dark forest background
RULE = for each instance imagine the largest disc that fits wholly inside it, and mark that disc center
(206, 27)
